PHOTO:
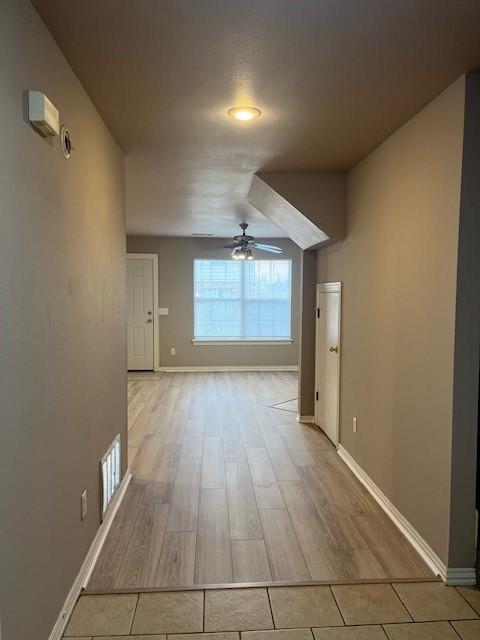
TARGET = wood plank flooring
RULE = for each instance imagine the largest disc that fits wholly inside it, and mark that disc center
(227, 488)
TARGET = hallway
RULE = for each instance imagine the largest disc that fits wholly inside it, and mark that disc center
(229, 488)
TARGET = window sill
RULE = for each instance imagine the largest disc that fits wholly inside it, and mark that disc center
(235, 343)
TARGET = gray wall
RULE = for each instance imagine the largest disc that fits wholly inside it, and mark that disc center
(307, 327)
(62, 327)
(175, 265)
(398, 264)
(467, 337)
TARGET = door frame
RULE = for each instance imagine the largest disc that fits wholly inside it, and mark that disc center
(328, 287)
(156, 328)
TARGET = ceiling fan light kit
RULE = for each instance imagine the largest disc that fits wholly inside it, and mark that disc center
(242, 254)
(243, 246)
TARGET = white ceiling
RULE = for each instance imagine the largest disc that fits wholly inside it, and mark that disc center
(333, 77)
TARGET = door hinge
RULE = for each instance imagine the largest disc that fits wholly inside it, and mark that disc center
(316, 395)
(318, 312)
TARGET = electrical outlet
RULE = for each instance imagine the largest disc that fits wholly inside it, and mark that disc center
(354, 425)
(172, 351)
(84, 504)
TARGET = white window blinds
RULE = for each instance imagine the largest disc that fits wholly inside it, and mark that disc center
(242, 300)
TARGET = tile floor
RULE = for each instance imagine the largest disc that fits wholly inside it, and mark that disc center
(397, 611)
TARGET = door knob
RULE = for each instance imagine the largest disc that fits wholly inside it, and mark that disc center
(149, 320)
(334, 349)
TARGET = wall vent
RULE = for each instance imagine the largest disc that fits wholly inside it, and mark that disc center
(110, 469)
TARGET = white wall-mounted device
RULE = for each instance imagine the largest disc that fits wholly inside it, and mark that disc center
(43, 114)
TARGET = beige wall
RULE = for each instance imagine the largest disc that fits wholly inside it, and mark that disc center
(175, 265)
(398, 264)
(62, 328)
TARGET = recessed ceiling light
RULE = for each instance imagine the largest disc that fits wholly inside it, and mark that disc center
(244, 113)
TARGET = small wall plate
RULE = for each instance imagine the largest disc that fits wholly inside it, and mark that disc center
(66, 142)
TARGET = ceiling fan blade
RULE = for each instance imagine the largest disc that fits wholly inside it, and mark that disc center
(232, 245)
(277, 253)
(268, 247)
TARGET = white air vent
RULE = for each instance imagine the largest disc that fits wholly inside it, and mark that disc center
(110, 469)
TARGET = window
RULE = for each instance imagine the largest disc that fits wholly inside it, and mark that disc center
(242, 300)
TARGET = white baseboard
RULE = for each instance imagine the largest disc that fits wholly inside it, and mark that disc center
(229, 368)
(451, 576)
(309, 419)
(90, 559)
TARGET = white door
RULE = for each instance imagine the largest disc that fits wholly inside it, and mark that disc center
(140, 325)
(327, 366)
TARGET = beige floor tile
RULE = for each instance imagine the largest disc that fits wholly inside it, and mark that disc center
(420, 631)
(369, 604)
(102, 615)
(366, 632)
(296, 607)
(237, 610)
(467, 629)
(279, 634)
(472, 596)
(169, 612)
(231, 635)
(430, 601)
(82, 638)
(149, 637)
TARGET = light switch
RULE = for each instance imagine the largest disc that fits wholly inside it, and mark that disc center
(163, 311)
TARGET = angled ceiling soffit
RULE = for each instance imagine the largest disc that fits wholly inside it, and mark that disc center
(309, 207)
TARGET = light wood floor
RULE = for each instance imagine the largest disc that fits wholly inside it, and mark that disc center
(228, 488)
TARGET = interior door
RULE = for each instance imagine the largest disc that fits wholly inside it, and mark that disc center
(327, 375)
(140, 323)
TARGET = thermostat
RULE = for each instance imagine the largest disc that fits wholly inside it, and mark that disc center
(43, 114)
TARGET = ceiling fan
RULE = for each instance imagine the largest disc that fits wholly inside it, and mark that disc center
(243, 245)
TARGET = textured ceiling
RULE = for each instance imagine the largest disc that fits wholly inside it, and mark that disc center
(333, 77)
